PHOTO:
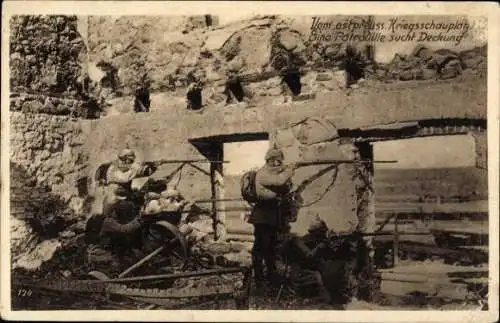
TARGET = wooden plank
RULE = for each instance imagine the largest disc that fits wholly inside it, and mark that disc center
(418, 216)
(484, 249)
(463, 207)
(430, 250)
(479, 228)
(415, 198)
(240, 237)
(443, 290)
(432, 268)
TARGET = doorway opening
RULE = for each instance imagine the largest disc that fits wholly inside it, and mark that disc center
(434, 190)
(242, 152)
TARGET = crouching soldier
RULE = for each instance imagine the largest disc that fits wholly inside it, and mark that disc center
(114, 238)
(319, 260)
(305, 255)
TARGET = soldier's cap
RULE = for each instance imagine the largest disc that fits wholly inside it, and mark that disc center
(274, 153)
(126, 153)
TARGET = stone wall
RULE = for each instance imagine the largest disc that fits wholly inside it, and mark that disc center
(368, 105)
(47, 55)
(48, 148)
(129, 51)
(36, 103)
(160, 53)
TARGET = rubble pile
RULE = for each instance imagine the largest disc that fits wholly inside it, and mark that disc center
(42, 222)
(158, 52)
(132, 52)
(203, 283)
(425, 64)
(32, 103)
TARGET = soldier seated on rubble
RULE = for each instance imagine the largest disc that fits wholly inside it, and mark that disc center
(170, 200)
(119, 235)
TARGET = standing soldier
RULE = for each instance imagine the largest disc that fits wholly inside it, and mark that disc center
(272, 183)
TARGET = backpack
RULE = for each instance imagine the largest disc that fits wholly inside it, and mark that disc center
(248, 188)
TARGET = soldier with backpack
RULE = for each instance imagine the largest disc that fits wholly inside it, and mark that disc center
(266, 188)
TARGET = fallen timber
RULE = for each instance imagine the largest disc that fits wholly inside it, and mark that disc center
(117, 286)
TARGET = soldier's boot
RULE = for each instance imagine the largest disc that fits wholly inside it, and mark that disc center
(324, 294)
(272, 274)
(258, 270)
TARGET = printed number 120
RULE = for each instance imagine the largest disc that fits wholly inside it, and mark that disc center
(24, 292)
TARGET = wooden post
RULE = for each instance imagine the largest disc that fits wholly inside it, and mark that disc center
(364, 189)
(395, 246)
(217, 187)
(365, 200)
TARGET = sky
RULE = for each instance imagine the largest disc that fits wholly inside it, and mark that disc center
(428, 152)
(244, 156)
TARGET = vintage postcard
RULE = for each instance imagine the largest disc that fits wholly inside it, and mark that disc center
(255, 161)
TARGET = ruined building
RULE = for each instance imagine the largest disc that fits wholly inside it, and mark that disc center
(73, 85)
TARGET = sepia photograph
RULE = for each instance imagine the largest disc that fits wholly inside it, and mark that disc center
(247, 161)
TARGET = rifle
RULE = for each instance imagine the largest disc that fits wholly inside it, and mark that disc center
(342, 161)
(157, 163)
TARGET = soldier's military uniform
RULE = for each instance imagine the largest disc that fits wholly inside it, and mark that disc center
(121, 173)
(272, 182)
(317, 260)
(119, 234)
